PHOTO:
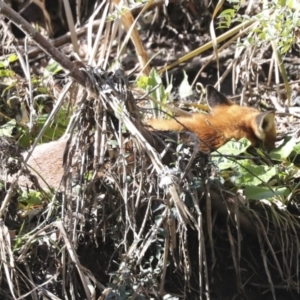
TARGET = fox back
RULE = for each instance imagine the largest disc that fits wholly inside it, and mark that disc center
(225, 122)
(46, 162)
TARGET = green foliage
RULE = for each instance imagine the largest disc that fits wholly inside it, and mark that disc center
(273, 176)
(30, 204)
(262, 192)
(142, 82)
(251, 174)
(159, 93)
(260, 177)
(30, 198)
(6, 73)
(223, 157)
(227, 16)
(284, 151)
(154, 85)
(278, 21)
(15, 109)
(280, 26)
(9, 129)
(52, 68)
(58, 127)
(12, 58)
(117, 13)
(5, 70)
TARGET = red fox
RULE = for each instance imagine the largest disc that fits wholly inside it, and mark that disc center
(226, 121)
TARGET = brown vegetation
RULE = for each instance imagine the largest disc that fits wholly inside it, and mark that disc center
(144, 214)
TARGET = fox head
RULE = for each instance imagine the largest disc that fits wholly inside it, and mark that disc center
(258, 127)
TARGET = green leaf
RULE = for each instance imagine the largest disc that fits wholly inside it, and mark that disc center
(6, 73)
(12, 58)
(9, 129)
(285, 150)
(232, 148)
(281, 3)
(52, 68)
(154, 80)
(262, 192)
(30, 198)
(56, 129)
(159, 94)
(224, 163)
(297, 148)
(250, 174)
(291, 3)
(142, 82)
(226, 12)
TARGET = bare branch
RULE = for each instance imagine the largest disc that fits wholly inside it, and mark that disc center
(47, 47)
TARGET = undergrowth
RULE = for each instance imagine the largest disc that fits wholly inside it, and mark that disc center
(149, 215)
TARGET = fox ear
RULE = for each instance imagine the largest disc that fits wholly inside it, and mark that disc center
(264, 122)
(215, 98)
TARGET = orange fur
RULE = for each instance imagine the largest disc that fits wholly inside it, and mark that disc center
(225, 122)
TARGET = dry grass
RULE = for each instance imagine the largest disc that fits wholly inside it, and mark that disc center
(142, 213)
